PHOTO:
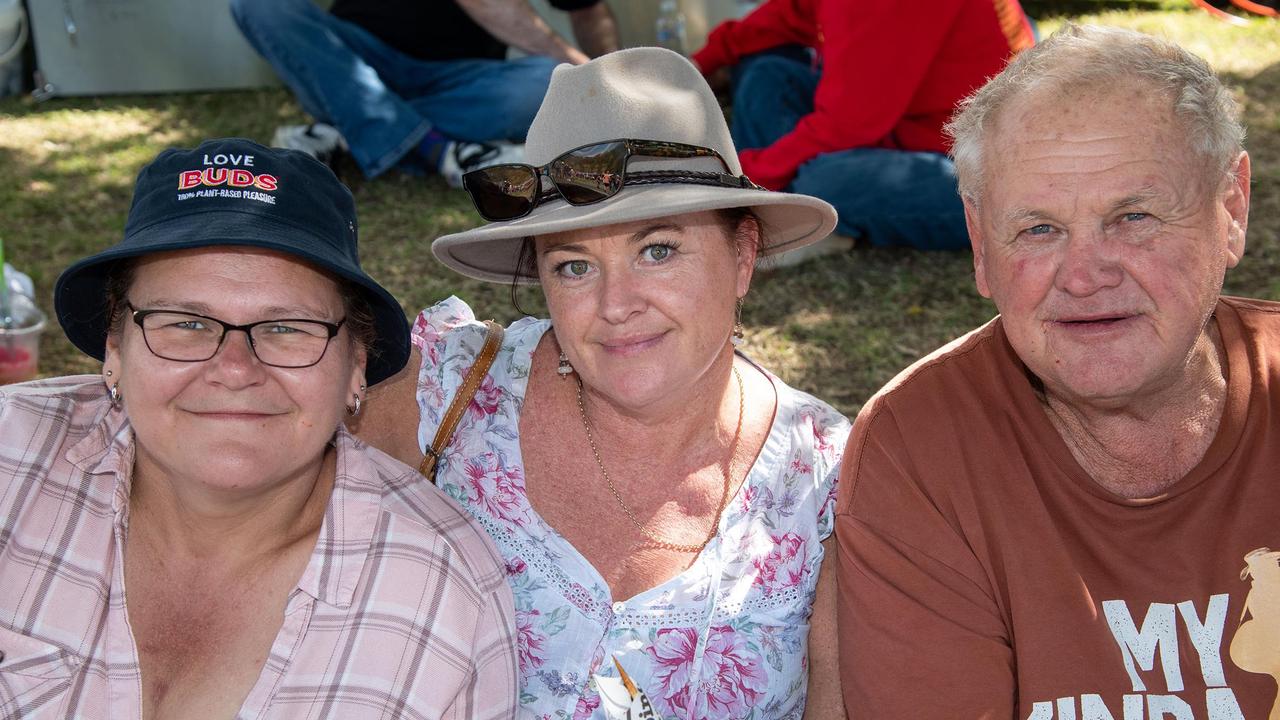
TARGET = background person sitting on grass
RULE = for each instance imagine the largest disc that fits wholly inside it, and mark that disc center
(845, 100)
(413, 84)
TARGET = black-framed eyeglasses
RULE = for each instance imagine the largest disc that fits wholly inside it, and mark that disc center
(188, 337)
(586, 175)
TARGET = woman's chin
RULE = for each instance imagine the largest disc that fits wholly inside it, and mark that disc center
(231, 466)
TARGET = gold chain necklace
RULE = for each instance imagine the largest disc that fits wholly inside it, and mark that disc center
(724, 495)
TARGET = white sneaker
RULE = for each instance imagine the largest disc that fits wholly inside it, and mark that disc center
(459, 158)
(318, 140)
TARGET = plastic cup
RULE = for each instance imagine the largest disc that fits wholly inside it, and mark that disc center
(20, 349)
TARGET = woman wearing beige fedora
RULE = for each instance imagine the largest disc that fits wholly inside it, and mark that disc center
(660, 500)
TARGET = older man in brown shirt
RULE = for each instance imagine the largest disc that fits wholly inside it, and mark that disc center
(1065, 514)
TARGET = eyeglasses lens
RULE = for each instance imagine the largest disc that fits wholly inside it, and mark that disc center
(590, 174)
(290, 343)
(192, 338)
(503, 192)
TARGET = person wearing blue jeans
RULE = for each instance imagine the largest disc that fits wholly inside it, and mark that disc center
(847, 100)
(419, 86)
(885, 196)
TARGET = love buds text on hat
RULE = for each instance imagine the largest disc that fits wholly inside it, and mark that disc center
(227, 176)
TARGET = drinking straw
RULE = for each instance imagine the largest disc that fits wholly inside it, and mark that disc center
(6, 311)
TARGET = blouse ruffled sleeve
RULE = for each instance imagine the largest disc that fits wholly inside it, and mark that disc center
(448, 336)
(433, 323)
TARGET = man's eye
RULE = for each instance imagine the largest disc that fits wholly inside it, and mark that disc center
(1135, 216)
(657, 253)
(1041, 229)
(573, 268)
(187, 325)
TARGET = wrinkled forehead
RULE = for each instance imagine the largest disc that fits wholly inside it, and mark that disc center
(1076, 112)
(1066, 111)
(1094, 140)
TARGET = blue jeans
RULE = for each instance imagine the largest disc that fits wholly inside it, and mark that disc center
(381, 100)
(883, 196)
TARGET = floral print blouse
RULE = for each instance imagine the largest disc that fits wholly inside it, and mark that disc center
(726, 638)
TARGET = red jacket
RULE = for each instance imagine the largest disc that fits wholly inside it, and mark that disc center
(892, 73)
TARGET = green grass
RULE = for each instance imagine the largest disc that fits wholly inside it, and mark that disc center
(838, 327)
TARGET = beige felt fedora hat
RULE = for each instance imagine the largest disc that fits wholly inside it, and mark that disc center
(638, 94)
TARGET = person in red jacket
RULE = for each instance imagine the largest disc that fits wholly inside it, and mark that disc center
(845, 100)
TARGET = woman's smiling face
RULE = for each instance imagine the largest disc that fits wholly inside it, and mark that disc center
(644, 308)
(230, 422)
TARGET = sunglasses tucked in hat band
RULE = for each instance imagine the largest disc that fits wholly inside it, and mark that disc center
(648, 93)
(586, 175)
(234, 192)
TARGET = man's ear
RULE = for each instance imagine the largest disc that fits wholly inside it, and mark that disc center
(974, 224)
(1236, 201)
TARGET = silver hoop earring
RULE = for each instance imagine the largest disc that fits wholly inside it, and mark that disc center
(355, 411)
(116, 396)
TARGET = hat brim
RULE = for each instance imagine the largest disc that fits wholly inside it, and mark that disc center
(80, 293)
(491, 252)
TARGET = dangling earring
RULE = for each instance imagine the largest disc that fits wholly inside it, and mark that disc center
(739, 336)
(564, 368)
(355, 411)
(116, 396)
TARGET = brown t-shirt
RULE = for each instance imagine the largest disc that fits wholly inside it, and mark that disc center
(983, 574)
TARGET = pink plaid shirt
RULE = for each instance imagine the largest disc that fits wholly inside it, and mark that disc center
(403, 610)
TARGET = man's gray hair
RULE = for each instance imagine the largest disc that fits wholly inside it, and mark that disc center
(1079, 56)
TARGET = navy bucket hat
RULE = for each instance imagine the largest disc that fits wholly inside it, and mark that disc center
(235, 192)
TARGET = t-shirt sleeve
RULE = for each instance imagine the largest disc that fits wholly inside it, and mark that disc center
(922, 635)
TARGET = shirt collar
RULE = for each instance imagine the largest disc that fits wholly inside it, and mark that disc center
(107, 449)
(102, 449)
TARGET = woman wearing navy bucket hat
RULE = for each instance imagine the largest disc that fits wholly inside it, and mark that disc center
(194, 533)
(661, 501)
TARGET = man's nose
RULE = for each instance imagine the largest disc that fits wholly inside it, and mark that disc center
(1090, 262)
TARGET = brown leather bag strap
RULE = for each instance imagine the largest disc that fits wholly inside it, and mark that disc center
(470, 383)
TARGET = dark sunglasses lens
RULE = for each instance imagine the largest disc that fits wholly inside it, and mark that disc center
(590, 174)
(502, 192)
